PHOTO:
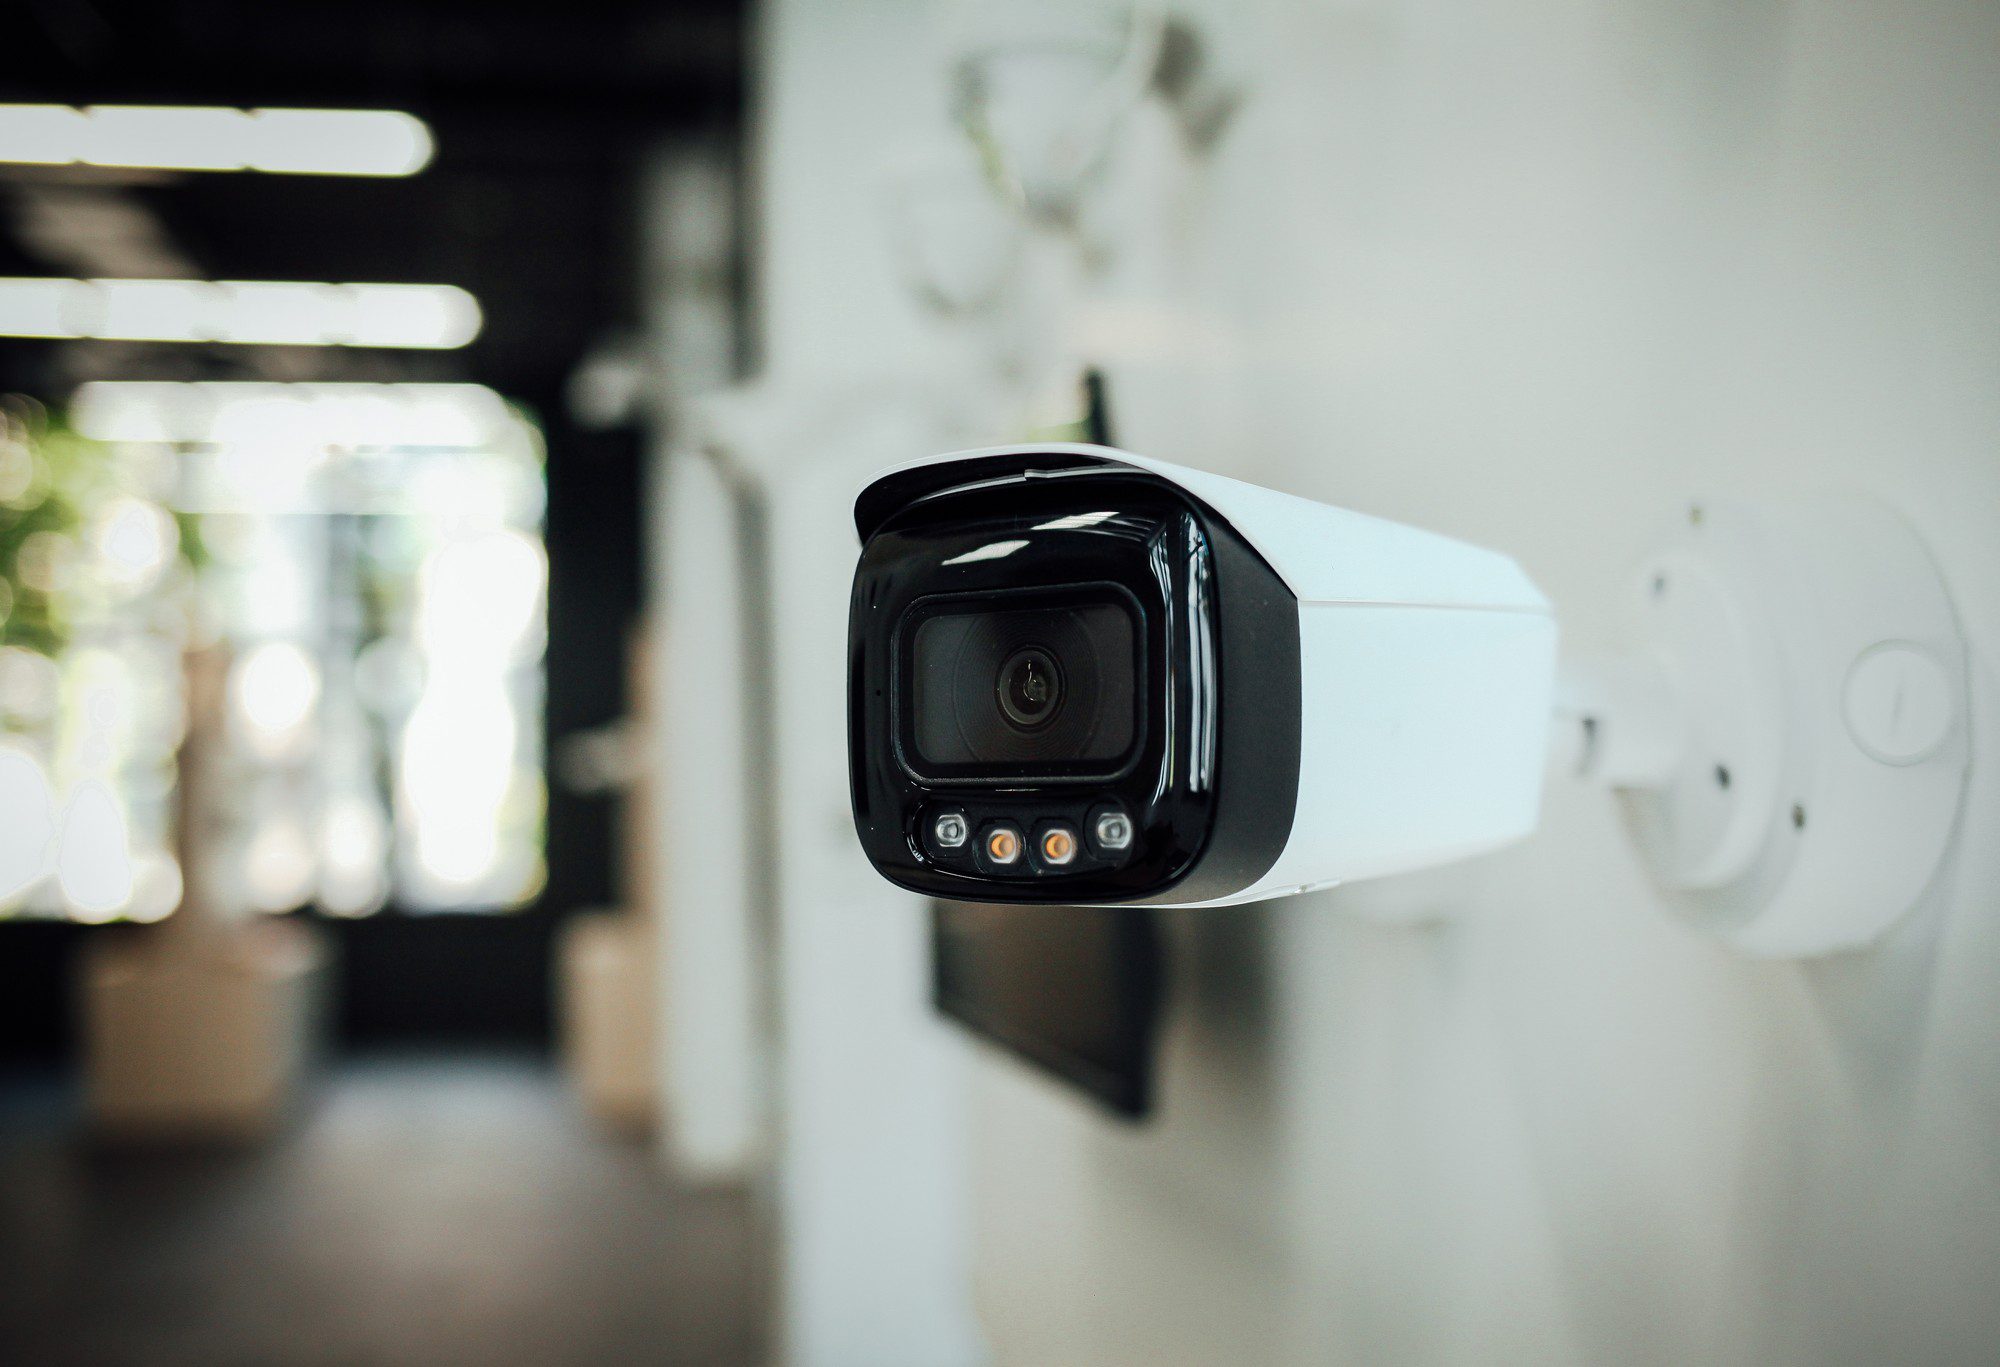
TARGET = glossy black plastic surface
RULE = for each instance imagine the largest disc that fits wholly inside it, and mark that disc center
(1199, 595)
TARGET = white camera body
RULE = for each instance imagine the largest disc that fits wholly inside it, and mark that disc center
(1265, 694)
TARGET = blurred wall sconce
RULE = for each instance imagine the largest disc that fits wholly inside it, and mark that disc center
(612, 386)
(326, 142)
(256, 312)
(1044, 91)
(602, 760)
(958, 243)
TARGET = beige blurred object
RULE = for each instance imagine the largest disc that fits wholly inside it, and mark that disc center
(606, 998)
(200, 1045)
(607, 1017)
(202, 1026)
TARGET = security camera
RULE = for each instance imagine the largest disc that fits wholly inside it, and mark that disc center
(1082, 676)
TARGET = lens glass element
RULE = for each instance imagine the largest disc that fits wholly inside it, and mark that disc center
(1054, 685)
(1030, 688)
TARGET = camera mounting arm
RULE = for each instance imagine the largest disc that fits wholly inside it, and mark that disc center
(1788, 737)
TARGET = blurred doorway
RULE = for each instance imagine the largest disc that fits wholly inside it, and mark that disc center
(291, 303)
(524, 202)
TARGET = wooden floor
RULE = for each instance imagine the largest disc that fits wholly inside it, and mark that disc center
(435, 1211)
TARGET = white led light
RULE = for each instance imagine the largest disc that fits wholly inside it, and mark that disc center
(324, 142)
(261, 312)
(1004, 844)
(1058, 846)
(1113, 830)
(275, 688)
(949, 830)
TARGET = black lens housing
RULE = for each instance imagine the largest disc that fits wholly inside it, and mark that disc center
(1208, 774)
(957, 655)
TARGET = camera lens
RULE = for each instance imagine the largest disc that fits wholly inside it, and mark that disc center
(1043, 684)
(1030, 688)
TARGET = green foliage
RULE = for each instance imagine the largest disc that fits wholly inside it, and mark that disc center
(52, 483)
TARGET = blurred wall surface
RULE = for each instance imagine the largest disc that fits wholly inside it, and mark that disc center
(1533, 276)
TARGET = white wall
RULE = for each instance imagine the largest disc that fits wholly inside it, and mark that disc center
(712, 1061)
(873, 1163)
(1534, 276)
(873, 1156)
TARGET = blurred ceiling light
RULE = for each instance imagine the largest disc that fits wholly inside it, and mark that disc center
(278, 866)
(285, 313)
(144, 310)
(157, 888)
(461, 416)
(457, 766)
(134, 539)
(276, 687)
(354, 853)
(93, 854)
(27, 821)
(479, 598)
(326, 142)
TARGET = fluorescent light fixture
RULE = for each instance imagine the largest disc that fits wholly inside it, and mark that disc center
(323, 142)
(376, 315)
(387, 416)
(35, 308)
(284, 313)
(143, 310)
(40, 134)
(191, 138)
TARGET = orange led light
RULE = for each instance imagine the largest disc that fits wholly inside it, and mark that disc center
(1003, 846)
(1058, 846)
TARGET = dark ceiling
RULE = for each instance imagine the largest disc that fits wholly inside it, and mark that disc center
(542, 114)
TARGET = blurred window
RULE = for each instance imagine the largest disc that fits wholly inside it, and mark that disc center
(371, 557)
